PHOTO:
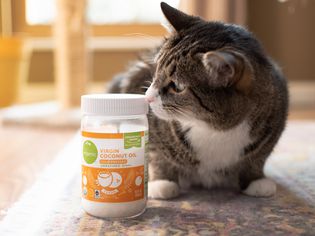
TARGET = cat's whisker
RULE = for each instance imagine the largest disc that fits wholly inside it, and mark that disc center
(144, 36)
(176, 111)
(182, 113)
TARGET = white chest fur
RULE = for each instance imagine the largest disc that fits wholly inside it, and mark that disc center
(216, 149)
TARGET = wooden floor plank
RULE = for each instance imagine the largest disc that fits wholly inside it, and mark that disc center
(25, 151)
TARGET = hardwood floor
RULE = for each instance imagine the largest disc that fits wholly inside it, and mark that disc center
(25, 151)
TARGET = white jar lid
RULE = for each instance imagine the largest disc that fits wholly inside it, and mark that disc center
(114, 104)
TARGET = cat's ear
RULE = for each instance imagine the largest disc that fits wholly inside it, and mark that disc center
(226, 68)
(176, 20)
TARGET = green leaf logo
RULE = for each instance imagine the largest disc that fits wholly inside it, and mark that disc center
(89, 152)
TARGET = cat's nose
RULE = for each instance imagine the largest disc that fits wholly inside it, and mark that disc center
(151, 94)
(149, 99)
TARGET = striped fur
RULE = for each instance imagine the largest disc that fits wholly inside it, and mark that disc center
(218, 106)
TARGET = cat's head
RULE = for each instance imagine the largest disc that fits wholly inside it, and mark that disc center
(204, 71)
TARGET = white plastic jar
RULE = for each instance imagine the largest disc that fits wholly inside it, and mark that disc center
(114, 170)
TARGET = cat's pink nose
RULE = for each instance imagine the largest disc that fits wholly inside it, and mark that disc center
(151, 94)
(149, 99)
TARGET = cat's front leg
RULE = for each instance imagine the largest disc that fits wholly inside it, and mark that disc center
(162, 182)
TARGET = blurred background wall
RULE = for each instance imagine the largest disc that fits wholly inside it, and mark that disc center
(287, 31)
(285, 27)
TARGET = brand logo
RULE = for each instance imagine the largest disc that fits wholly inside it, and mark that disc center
(89, 152)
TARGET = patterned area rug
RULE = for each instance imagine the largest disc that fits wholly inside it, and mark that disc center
(52, 205)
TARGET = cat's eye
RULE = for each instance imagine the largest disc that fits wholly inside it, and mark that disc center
(176, 87)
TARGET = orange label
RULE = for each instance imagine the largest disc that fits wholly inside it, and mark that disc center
(112, 184)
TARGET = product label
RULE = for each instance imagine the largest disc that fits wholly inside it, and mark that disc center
(114, 167)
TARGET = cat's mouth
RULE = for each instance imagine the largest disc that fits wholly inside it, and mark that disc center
(156, 104)
(157, 108)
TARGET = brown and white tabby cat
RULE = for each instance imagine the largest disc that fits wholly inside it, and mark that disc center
(218, 107)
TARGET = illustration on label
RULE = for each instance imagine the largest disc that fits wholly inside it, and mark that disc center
(109, 179)
(115, 185)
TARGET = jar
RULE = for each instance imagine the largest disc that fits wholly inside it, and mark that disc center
(114, 169)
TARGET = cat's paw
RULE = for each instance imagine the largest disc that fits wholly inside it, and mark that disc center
(261, 188)
(163, 189)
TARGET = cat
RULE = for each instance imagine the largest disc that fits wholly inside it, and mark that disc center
(218, 105)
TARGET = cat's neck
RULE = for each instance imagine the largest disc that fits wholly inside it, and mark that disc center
(217, 149)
